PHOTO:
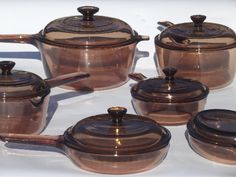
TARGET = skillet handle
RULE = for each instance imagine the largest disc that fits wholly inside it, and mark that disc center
(18, 38)
(44, 140)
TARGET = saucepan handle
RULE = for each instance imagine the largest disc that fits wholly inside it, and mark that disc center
(66, 79)
(137, 76)
(164, 24)
(57, 81)
(44, 140)
(19, 38)
(142, 38)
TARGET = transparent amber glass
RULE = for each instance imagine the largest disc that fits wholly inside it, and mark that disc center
(214, 152)
(113, 143)
(214, 68)
(168, 113)
(102, 46)
(103, 64)
(21, 116)
(120, 164)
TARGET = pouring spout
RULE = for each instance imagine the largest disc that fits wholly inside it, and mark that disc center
(66, 78)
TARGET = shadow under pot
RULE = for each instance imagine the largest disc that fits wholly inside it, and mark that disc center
(168, 100)
(24, 98)
(99, 45)
(113, 143)
(200, 51)
(212, 134)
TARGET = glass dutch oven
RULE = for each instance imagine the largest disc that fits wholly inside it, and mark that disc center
(200, 50)
(24, 98)
(99, 45)
(212, 134)
(114, 143)
(168, 100)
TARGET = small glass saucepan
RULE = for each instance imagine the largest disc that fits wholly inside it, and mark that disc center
(168, 100)
(24, 98)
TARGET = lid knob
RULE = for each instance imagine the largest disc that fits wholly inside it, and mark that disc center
(88, 12)
(117, 113)
(198, 20)
(169, 72)
(6, 67)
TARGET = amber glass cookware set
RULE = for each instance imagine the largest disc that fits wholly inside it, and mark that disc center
(83, 52)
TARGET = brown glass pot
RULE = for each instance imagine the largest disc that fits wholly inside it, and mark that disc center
(99, 45)
(212, 134)
(200, 50)
(168, 100)
(24, 98)
(114, 143)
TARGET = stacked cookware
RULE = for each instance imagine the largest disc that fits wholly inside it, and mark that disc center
(99, 51)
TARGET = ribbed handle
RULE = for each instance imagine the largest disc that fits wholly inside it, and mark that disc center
(88, 12)
(117, 113)
(198, 20)
(6, 67)
(169, 73)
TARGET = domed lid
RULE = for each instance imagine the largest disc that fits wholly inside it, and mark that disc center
(169, 89)
(20, 84)
(197, 35)
(88, 30)
(215, 125)
(117, 133)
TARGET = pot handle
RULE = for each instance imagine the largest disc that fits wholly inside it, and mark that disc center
(164, 24)
(18, 38)
(66, 78)
(137, 76)
(44, 140)
(142, 38)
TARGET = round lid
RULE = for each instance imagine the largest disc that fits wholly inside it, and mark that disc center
(169, 89)
(88, 30)
(117, 133)
(197, 35)
(215, 125)
(20, 84)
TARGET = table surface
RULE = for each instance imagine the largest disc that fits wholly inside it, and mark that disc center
(67, 107)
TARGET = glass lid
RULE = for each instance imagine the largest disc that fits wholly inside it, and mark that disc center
(215, 125)
(88, 30)
(197, 35)
(218, 120)
(20, 84)
(169, 89)
(117, 133)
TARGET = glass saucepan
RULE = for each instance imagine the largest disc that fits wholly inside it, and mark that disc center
(24, 98)
(200, 50)
(102, 46)
(168, 100)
